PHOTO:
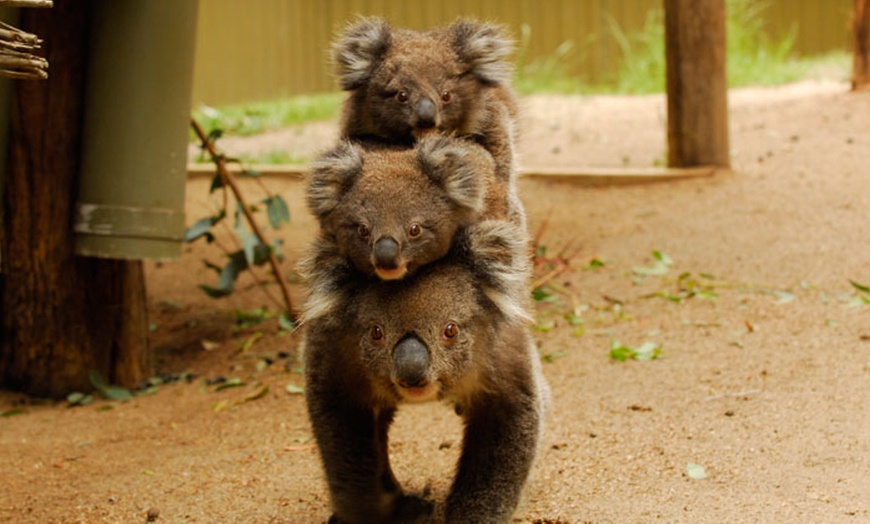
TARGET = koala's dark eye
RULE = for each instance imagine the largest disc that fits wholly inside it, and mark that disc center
(415, 230)
(450, 331)
(364, 232)
(446, 96)
(377, 334)
(402, 96)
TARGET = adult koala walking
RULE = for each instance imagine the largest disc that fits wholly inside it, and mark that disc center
(454, 332)
(419, 276)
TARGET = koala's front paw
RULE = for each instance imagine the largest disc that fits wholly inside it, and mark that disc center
(411, 509)
(408, 509)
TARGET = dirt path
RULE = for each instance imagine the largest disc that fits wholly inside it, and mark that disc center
(766, 386)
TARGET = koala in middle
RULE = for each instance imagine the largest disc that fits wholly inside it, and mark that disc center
(457, 332)
(404, 84)
(386, 212)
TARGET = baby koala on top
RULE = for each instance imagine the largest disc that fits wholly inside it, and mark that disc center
(404, 84)
(384, 212)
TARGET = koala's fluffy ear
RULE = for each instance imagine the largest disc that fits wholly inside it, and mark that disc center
(331, 176)
(358, 51)
(485, 48)
(497, 252)
(456, 165)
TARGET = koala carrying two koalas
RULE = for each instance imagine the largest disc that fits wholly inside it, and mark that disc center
(386, 212)
(454, 331)
(418, 278)
(404, 84)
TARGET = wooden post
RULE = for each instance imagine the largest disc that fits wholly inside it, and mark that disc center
(861, 33)
(61, 316)
(696, 83)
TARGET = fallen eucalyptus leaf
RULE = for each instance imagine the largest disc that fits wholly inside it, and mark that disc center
(860, 287)
(260, 393)
(231, 383)
(696, 471)
(209, 345)
(246, 345)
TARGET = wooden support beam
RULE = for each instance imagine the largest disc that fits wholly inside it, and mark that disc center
(582, 175)
(617, 176)
(696, 83)
(61, 316)
(26, 3)
(861, 33)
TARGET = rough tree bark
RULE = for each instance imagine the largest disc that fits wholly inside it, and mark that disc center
(861, 33)
(62, 315)
(696, 83)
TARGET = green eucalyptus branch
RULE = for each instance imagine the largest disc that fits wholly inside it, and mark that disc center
(249, 252)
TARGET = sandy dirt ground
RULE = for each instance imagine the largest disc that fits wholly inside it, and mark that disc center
(762, 385)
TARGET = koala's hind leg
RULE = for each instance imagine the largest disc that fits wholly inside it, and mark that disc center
(499, 447)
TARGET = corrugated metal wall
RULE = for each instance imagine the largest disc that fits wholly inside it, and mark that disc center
(822, 25)
(263, 49)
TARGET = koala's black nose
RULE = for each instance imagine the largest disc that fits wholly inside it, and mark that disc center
(426, 111)
(411, 362)
(386, 253)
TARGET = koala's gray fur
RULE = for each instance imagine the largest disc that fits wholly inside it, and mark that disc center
(404, 84)
(454, 331)
(388, 211)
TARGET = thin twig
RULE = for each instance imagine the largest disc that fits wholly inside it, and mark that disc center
(549, 276)
(26, 3)
(221, 164)
(258, 282)
(15, 38)
(15, 59)
(569, 246)
(536, 242)
(555, 265)
(14, 64)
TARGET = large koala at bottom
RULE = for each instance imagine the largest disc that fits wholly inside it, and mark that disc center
(455, 332)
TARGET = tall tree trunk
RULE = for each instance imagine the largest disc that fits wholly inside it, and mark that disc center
(62, 315)
(861, 33)
(696, 83)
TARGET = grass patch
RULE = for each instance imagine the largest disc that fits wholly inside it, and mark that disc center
(547, 74)
(642, 69)
(257, 117)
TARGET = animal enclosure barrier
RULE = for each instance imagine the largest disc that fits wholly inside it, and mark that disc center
(279, 47)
